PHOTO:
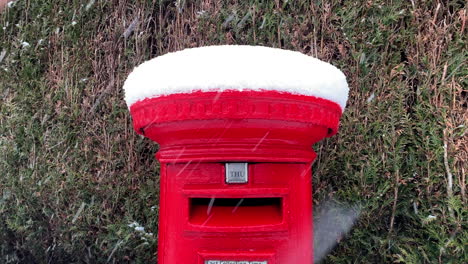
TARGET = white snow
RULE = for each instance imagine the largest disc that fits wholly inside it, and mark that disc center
(201, 13)
(11, 4)
(89, 5)
(221, 68)
(137, 227)
(431, 217)
(25, 44)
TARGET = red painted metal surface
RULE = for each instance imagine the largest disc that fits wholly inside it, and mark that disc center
(202, 218)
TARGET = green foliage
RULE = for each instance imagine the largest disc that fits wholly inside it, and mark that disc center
(75, 176)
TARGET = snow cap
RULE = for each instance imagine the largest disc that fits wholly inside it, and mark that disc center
(240, 68)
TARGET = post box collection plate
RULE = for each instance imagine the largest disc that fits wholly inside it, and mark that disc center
(237, 258)
(234, 262)
(237, 173)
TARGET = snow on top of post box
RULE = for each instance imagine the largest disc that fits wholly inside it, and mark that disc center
(240, 68)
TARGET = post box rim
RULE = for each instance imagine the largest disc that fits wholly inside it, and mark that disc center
(255, 105)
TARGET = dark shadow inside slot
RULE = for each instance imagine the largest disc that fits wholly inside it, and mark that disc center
(236, 212)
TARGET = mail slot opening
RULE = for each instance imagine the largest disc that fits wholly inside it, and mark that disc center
(236, 212)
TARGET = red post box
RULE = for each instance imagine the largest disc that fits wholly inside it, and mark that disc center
(235, 126)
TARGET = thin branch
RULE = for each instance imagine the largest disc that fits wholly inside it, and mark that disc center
(101, 96)
(397, 183)
(449, 174)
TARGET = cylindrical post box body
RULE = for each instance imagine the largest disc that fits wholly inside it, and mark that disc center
(235, 125)
(235, 174)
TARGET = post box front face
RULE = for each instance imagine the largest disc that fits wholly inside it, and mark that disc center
(235, 212)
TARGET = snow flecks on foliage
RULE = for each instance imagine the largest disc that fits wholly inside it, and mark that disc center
(25, 44)
(201, 13)
(11, 4)
(140, 229)
(431, 217)
(90, 4)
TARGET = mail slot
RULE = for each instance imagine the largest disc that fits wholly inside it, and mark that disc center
(235, 125)
(235, 212)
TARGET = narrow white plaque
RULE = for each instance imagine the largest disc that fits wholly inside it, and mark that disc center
(234, 262)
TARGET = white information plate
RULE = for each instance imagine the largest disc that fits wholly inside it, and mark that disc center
(237, 173)
(234, 262)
